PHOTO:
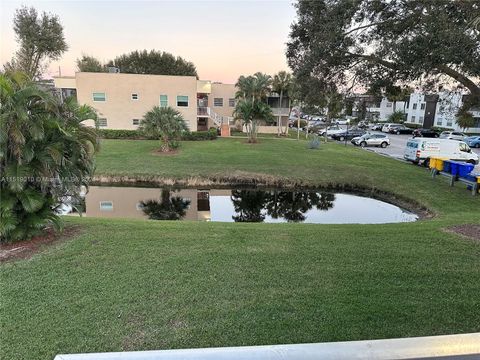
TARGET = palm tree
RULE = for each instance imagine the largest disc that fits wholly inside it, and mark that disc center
(46, 154)
(254, 87)
(251, 112)
(168, 208)
(165, 124)
(281, 84)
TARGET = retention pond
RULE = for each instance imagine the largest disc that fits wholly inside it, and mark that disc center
(239, 205)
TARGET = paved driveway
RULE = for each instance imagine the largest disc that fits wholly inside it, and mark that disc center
(397, 146)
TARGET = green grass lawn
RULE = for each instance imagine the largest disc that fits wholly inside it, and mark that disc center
(135, 285)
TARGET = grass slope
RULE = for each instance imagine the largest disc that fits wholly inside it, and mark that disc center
(133, 285)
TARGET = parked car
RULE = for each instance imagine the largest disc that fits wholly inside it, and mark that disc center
(452, 135)
(330, 130)
(386, 127)
(428, 133)
(376, 127)
(348, 135)
(381, 140)
(399, 129)
(342, 122)
(473, 141)
(421, 150)
(313, 125)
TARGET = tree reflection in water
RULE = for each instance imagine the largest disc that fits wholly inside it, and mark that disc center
(254, 205)
(168, 208)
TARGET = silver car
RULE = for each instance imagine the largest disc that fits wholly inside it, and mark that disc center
(452, 135)
(381, 140)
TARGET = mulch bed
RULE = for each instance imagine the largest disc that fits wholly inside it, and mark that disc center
(27, 248)
(468, 230)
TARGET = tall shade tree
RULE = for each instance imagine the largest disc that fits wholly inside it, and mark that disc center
(40, 39)
(361, 41)
(90, 64)
(165, 124)
(281, 84)
(46, 155)
(153, 62)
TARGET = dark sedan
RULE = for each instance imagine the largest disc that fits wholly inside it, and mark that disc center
(348, 135)
(399, 129)
(428, 133)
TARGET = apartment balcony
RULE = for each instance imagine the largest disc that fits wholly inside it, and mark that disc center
(202, 111)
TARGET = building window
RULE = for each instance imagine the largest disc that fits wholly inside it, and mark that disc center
(182, 100)
(97, 96)
(422, 106)
(449, 123)
(106, 205)
(389, 104)
(102, 122)
(231, 102)
(439, 122)
(218, 102)
(420, 120)
(163, 100)
(413, 118)
(414, 107)
(134, 96)
(135, 121)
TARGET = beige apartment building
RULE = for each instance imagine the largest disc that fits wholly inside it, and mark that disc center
(121, 100)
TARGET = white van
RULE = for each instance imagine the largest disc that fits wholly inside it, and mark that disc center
(422, 149)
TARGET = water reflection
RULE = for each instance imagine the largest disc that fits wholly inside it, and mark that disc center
(254, 205)
(240, 205)
(167, 208)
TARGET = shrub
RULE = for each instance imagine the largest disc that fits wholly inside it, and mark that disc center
(47, 155)
(120, 134)
(314, 143)
(397, 117)
(211, 134)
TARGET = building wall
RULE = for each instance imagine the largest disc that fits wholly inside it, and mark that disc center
(225, 92)
(416, 109)
(383, 110)
(119, 109)
(445, 111)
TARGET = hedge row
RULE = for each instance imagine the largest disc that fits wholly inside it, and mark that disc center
(137, 135)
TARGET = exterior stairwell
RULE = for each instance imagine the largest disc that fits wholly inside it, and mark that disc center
(219, 120)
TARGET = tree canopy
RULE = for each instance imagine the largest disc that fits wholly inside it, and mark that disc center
(153, 62)
(359, 42)
(40, 39)
(90, 64)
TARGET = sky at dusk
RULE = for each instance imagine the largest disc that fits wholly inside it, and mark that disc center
(223, 38)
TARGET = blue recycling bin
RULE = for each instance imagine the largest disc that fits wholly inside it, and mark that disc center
(454, 168)
(446, 166)
(465, 169)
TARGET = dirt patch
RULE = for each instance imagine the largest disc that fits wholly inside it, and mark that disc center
(165, 153)
(27, 248)
(470, 231)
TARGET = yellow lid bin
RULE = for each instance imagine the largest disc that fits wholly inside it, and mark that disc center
(432, 163)
(439, 164)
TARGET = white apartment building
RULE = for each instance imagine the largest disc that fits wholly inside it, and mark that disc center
(438, 110)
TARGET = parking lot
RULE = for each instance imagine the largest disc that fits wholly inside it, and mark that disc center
(397, 146)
